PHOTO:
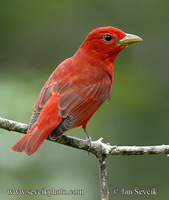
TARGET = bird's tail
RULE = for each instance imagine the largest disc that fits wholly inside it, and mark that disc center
(31, 142)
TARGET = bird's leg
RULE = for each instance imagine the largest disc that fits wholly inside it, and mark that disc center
(89, 139)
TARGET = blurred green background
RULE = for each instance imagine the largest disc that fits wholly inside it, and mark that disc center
(35, 36)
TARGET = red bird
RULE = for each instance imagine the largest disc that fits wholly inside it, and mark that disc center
(76, 89)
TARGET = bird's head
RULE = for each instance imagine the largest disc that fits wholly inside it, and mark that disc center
(107, 42)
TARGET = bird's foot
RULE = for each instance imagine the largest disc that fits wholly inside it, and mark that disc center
(89, 140)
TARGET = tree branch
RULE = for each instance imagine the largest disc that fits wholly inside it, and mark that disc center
(99, 149)
(11, 125)
(96, 147)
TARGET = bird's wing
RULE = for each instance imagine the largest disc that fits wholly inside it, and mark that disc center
(90, 87)
(73, 97)
(81, 93)
(80, 100)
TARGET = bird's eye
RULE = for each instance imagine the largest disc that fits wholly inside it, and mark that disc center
(108, 37)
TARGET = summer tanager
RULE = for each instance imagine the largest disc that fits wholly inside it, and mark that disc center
(76, 89)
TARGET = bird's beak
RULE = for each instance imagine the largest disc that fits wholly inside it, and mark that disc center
(129, 39)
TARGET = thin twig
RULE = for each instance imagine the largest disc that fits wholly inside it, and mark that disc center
(103, 178)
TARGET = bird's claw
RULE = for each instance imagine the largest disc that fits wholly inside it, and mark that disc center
(89, 139)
